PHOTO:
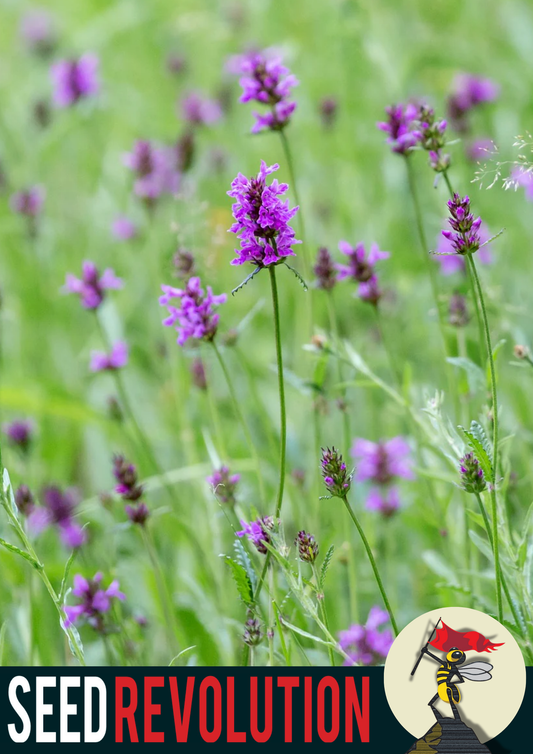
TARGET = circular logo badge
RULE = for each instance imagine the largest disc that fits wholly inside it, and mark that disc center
(454, 673)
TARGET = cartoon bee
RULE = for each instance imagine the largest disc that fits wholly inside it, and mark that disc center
(448, 670)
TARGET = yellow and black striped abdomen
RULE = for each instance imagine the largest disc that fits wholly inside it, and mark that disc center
(443, 684)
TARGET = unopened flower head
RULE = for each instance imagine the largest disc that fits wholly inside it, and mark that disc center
(19, 433)
(118, 358)
(125, 474)
(458, 311)
(432, 138)
(266, 80)
(224, 484)
(328, 111)
(258, 532)
(58, 509)
(24, 500)
(307, 547)
(382, 462)
(521, 352)
(75, 79)
(28, 202)
(472, 477)
(94, 601)
(368, 644)
(262, 219)
(197, 370)
(194, 317)
(325, 270)
(464, 236)
(37, 29)
(336, 476)
(199, 110)
(183, 263)
(91, 287)
(252, 632)
(400, 127)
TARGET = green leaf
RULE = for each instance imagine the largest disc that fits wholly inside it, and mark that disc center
(437, 564)
(482, 545)
(478, 441)
(244, 585)
(243, 559)
(8, 495)
(475, 375)
(72, 631)
(2, 640)
(23, 554)
(68, 566)
(325, 565)
(307, 635)
(180, 654)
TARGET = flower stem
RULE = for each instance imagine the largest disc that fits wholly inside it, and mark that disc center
(497, 565)
(323, 613)
(242, 420)
(281, 387)
(342, 391)
(164, 596)
(372, 563)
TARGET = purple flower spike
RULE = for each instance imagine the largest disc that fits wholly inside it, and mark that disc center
(464, 237)
(123, 229)
(19, 433)
(472, 477)
(325, 270)
(28, 202)
(224, 484)
(450, 262)
(75, 79)
(94, 602)
(92, 286)
(266, 80)
(382, 462)
(258, 532)
(367, 645)
(307, 547)
(469, 91)
(200, 111)
(334, 472)
(195, 317)
(386, 501)
(155, 168)
(360, 267)
(127, 481)
(117, 359)
(262, 219)
(400, 127)
(58, 510)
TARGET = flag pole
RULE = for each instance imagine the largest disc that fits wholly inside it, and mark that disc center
(413, 671)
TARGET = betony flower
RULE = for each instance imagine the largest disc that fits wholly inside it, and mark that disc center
(370, 291)
(130, 490)
(75, 79)
(267, 81)
(385, 500)
(458, 311)
(472, 477)
(450, 262)
(257, 532)
(117, 359)
(24, 500)
(38, 32)
(307, 547)
(123, 229)
(155, 168)
(464, 236)
(19, 433)
(360, 267)
(382, 462)
(367, 645)
(58, 510)
(92, 286)
(94, 603)
(252, 632)
(431, 137)
(199, 110)
(325, 270)
(195, 317)
(28, 202)
(184, 264)
(262, 219)
(224, 484)
(469, 91)
(334, 472)
(400, 127)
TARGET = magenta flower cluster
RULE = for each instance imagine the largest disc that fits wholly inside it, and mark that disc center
(262, 219)
(382, 463)
(258, 532)
(224, 484)
(195, 317)
(155, 168)
(198, 110)
(399, 127)
(361, 269)
(118, 358)
(19, 433)
(91, 287)
(94, 603)
(367, 645)
(28, 202)
(451, 262)
(469, 91)
(58, 510)
(75, 79)
(266, 80)
(130, 490)
(464, 235)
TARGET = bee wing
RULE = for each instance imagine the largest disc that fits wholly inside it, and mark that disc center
(477, 671)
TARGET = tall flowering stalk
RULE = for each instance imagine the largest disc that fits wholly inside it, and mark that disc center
(465, 240)
(338, 481)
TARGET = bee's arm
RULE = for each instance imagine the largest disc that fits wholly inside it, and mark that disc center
(426, 651)
(459, 677)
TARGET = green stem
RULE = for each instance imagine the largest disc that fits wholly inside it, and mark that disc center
(342, 390)
(170, 624)
(281, 387)
(323, 612)
(270, 627)
(497, 565)
(372, 563)
(242, 420)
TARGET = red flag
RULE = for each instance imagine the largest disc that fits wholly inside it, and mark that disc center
(447, 638)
